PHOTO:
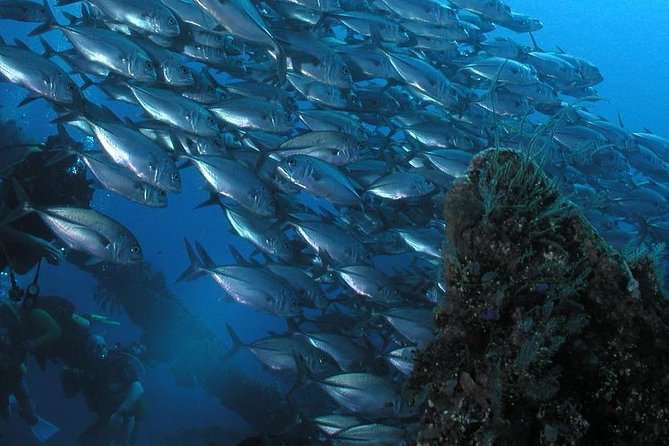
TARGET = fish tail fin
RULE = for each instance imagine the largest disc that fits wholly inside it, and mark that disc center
(43, 430)
(88, 82)
(204, 256)
(279, 56)
(303, 378)
(24, 206)
(236, 342)
(50, 23)
(239, 258)
(195, 269)
(49, 51)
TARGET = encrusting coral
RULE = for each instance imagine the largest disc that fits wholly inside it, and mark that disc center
(547, 336)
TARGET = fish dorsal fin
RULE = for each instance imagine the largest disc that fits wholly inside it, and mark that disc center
(239, 258)
(21, 44)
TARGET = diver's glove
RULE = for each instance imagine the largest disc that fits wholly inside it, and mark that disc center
(116, 421)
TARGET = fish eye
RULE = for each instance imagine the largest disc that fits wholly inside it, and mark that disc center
(184, 69)
(211, 120)
(322, 360)
(70, 86)
(135, 249)
(175, 176)
(360, 145)
(218, 143)
(514, 70)
(171, 21)
(291, 162)
(211, 90)
(427, 182)
(345, 70)
(162, 193)
(149, 65)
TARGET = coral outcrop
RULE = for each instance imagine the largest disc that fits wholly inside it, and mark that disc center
(547, 336)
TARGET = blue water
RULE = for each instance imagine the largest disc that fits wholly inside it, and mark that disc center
(626, 40)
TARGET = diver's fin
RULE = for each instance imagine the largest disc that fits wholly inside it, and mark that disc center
(12, 404)
(103, 319)
(43, 430)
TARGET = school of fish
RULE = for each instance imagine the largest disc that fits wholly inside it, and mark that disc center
(328, 132)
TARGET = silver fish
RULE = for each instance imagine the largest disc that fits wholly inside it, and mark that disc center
(240, 18)
(279, 352)
(124, 182)
(147, 16)
(403, 359)
(415, 324)
(246, 285)
(309, 293)
(133, 150)
(365, 394)
(320, 179)
(105, 47)
(335, 148)
(231, 179)
(254, 114)
(369, 282)
(23, 11)
(338, 244)
(370, 434)
(173, 109)
(38, 74)
(400, 185)
(91, 232)
(261, 232)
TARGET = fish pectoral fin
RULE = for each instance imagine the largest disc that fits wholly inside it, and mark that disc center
(29, 98)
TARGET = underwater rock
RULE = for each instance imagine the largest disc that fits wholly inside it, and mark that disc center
(547, 335)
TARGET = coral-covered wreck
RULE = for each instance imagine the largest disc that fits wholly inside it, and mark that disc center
(547, 336)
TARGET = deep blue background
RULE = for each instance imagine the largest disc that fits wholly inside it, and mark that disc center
(628, 40)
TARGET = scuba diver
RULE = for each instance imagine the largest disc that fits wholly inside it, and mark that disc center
(112, 387)
(40, 329)
(53, 329)
(14, 347)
